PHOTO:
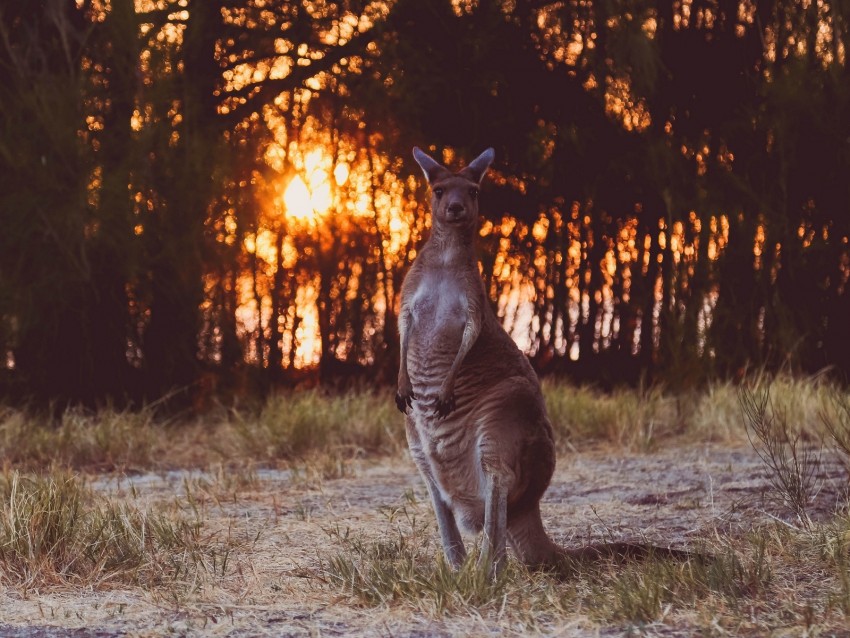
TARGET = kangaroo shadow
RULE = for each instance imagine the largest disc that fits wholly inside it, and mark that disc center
(572, 561)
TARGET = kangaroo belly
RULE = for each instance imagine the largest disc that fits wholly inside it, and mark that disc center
(502, 428)
(438, 321)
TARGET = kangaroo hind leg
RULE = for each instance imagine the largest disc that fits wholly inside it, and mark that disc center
(450, 536)
(493, 554)
(449, 533)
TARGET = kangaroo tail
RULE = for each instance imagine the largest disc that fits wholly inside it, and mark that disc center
(534, 548)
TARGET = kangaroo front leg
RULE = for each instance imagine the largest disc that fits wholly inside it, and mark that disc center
(404, 397)
(446, 398)
(495, 525)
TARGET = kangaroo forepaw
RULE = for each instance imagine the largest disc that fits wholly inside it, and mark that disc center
(445, 405)
(404, 401)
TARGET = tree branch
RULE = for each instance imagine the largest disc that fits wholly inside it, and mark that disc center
(270, 88)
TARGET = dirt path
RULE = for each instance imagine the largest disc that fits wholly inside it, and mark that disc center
(290, 522)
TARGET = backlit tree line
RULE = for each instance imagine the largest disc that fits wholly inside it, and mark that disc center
(216, 197)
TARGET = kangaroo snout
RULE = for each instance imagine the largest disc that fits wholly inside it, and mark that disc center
(455, 211)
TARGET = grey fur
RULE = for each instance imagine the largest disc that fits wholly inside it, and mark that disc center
(475, 417)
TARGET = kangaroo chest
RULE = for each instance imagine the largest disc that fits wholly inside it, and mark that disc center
(440, 312)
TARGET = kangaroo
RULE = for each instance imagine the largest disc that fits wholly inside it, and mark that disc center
(476, 422)
(475, 419)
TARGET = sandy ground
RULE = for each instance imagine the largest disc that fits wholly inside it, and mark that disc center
(285, 524)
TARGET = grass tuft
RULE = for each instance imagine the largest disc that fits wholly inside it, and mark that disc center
(792, 460)
(404, 568)
(294, 424)
(53, 530)
(629, 418)
(103, 440)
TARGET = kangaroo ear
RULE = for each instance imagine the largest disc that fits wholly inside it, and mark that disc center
(478, 167)
(428, 164)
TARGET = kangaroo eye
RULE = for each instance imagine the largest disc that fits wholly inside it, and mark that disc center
(473, 193)
(438, 192)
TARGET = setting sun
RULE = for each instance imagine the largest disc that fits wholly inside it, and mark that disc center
(305, 199)
(297, 199)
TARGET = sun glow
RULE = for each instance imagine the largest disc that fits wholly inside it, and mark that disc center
(323, 201)
(311, 196)
(298, 201)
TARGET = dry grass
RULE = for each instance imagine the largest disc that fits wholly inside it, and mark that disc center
(289, 427)
(403, 567)
(303, 426)
(769, 576)
(641, 419)
(630, 418)
(296, 424)
(793, 462)
(311, 541)
(54, 530)
(104, 440)
(338, 553)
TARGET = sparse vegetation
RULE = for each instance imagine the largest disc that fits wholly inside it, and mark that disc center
(55, 530)
(103, 440)
(792, 461)
(295, 424)
(316, 428)
(750, 581)
(236, 533)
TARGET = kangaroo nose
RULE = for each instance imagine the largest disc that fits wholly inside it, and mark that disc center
(455, 208)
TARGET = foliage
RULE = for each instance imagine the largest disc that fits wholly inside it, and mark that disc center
(668, 201)
(793, 464)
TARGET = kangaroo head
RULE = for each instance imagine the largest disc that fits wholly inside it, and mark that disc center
(454, 201)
